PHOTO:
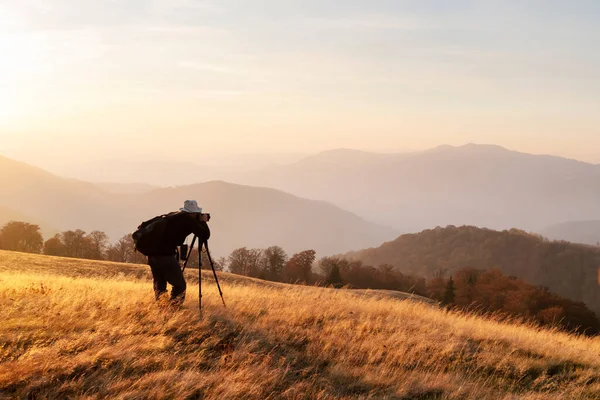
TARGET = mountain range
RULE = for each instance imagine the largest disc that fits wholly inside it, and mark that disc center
(481, 185)
(242, 215)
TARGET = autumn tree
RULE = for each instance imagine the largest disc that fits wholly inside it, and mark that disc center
(54, 246)
(21, 236)
(466, 291)
(299, 267)
(436, 288)
(334, 277)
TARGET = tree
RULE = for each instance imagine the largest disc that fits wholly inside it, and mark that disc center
(74, 242)
(193, 261)
(124, 251)
(326, 264)
(465, 282)
(449, 293)
(274, 262)
(245, 261)
(299, 267)
(436, 288)
(334, 277)
(54, 246)
(21, 236)
(98, 245)
(219, 263)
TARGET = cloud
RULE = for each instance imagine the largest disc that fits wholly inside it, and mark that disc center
(162, 6)
(221, 69)
(372, 21)
(221, 94)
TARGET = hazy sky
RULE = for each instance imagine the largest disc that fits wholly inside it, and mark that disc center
(151, 78)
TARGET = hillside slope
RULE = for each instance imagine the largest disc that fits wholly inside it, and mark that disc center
(478, 185)
(62, 203)
(568, 269)
(243, 216)
(105, 338)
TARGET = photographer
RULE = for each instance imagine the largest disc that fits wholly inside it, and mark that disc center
(164, 260)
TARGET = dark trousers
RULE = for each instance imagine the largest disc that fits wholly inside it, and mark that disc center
(166, 269)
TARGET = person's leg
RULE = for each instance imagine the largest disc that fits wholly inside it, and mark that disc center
(160, 283)
(171, 271)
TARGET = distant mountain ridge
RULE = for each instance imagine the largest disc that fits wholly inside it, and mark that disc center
(8, 215)
(482, 185)
(242, 215)
(126, 187)
(587, 232)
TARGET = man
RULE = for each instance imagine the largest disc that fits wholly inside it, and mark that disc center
(164, 263)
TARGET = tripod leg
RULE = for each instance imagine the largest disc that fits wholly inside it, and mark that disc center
(200, 277)
(188, 257)
(212, 265)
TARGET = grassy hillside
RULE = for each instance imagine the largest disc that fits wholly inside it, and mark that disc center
(92, 330)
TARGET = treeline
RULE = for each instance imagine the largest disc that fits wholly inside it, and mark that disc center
(569, 269)
(467, 289)
(490, 291)
(25, 237)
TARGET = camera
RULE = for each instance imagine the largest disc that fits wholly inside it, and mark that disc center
(200, 216)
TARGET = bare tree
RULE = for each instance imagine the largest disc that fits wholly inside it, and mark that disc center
(274, 262)
(246, 262)
(98, 245)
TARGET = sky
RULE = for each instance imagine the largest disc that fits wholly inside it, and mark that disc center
(172, 79)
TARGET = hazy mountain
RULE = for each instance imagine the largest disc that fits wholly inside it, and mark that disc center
(568, 269)
(126, 187)
(260, 217)
(63, 203)
(242, 215)
(587, 232)
(7, 215)
(157, 172)
(151, 172)
(473, 184)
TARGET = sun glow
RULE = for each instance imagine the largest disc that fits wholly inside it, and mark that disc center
(18, 68)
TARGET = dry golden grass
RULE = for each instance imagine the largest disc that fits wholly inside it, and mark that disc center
(67, 335)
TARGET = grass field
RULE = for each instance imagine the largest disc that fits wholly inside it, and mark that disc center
(84, 329)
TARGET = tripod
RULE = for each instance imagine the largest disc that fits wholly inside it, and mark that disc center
(212, 265)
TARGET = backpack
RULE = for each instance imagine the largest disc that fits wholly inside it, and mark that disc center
(150, 235)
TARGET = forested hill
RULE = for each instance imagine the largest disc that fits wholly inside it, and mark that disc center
(568, 269)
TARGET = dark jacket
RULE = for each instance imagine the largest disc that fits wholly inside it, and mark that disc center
(180, 226)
